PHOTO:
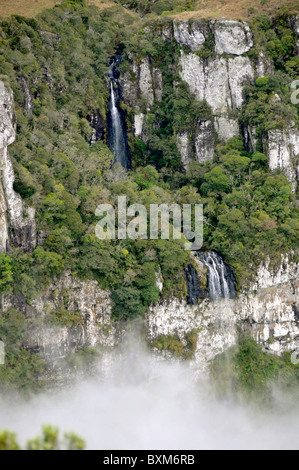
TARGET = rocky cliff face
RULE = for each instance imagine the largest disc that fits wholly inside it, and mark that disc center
(219, 79)
(70, 316)
(17, 223)
(282, 147)
(269, 312)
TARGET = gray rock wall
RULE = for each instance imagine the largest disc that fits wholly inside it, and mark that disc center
(17, 223)
(267, 311)
(218, 79)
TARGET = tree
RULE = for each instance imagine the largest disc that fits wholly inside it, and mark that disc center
(49, 440)
(146, 177)
(128, 303)
(8, 441)
(237, 166)
(217, 180)
(6, 273)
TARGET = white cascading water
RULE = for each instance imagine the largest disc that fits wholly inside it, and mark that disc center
(218, 284)
(117, 139)
(116, 124)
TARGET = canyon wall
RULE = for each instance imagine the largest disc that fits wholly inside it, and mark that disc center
(219, 78)
(268, 311)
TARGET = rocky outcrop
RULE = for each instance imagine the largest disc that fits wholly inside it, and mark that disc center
(267, 276)
(28, 103)
(203, 145)
(72, 315)
(218, 78)
(192, 35)
(282, 148)
(268, 311)
(138, 124)
(185, 148)
(205, 141)
(158, 83)
(219, 81)
(250, 138)
(264, 66)
(146, 82)
(99, 126)
(226, 128)
(232, 37)
(17, 223)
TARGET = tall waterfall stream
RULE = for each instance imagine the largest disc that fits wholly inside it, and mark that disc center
(117, 136)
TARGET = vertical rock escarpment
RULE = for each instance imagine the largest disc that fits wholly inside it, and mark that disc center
(205, 141)
(212, 59)
(218, 78)
(282, 148)
(17, 223)
(294, 23)
(268, 311)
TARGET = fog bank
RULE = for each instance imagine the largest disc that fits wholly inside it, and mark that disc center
(145, 404)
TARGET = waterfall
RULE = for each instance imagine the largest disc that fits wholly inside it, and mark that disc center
(221, 279)
(117, 137)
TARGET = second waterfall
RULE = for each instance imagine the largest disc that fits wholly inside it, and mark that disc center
(117, 136)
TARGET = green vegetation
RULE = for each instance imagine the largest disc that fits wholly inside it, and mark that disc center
(64, 318)
(22, 368)
(247, 372)
(269, 105)
(65, 178)
(62, 58)
(249, 211)
(65, 65)
(183, 349)
(50, 440)
(6, 277)
(277, 38)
